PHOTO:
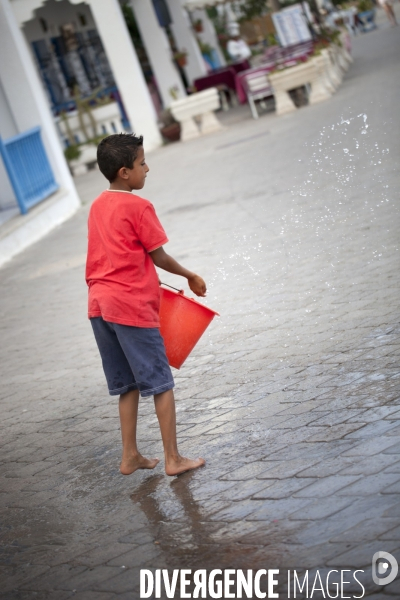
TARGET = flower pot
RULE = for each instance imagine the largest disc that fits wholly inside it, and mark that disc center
(181, 61)
(172, 132)
(198, 27)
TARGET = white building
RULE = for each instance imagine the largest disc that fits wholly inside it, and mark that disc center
(48, 48)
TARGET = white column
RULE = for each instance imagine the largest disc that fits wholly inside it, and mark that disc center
(26, 98)
(185, 39)
(126, 69)
(158, 50)
(209, 35)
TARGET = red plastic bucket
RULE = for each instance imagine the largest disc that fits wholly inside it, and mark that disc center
(182, 323)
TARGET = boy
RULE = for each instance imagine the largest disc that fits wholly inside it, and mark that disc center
(125, 241)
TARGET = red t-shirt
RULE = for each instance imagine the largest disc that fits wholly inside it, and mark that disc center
(123, 283)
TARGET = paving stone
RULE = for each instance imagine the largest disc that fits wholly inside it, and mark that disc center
(394, 468)
(283, 488)
(371, 447)
(49, 578)
(237, 511)
(391, 534)
(297, 421)
(378, 596)
(393, 589)
(393, 511)
(102, 554)
(392, 489)
(246, 489)
(282, 470)
(371, 484)
(88, 578)
(246, 472)
(395, 449)
(367, 531)
(29, 595)
(26, 573)
(373, 429)
(331, 418)
(311, 557)
(325, 507)
(370, 465)
(335, 432)
(327, 468)
(127, 581)
(326, 486)
(90, 595)
(360, 556)
(276, 509)
(361, 510)
(394, 432)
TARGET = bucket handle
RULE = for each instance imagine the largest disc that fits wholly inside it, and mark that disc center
(172, 288)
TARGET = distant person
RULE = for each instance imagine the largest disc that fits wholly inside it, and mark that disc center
(236, 47)
(387, 6)
(125, 243)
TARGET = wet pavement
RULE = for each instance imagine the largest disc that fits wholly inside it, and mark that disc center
(292, 395)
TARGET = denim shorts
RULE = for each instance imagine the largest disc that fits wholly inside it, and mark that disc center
(133, 358)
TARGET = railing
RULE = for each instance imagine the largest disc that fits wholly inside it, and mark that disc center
(28, 168)
(112, 92)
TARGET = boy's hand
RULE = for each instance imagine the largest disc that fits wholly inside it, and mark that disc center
(162, 260)
(197, 285)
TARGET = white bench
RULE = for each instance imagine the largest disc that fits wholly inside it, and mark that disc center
(200, 107)
(307, 74)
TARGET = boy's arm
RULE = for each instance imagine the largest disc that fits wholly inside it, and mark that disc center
(164, 261)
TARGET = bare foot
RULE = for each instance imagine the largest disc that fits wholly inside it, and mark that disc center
(133, 463)
(181, 464)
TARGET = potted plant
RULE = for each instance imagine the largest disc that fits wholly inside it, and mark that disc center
(170, 128)
(198, 25)
(180, 57)
(206, 49)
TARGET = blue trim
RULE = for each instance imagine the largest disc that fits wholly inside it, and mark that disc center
(28, 168)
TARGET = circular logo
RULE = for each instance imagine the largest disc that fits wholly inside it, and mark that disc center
(379, 568)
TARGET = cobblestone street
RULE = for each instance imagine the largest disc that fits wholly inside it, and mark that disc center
(292, 396)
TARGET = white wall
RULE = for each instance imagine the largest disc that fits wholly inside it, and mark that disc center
(29, 108)
(185, 38)
(56, 13)
(209, 36)
(158, 50)
(25, 95)
(7, 129)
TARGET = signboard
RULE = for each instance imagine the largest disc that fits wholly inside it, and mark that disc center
(291, 25)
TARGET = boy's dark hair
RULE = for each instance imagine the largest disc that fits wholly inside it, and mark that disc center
(116, 151)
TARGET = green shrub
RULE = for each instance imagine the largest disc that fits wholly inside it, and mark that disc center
(72, 152)
(364, 5)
